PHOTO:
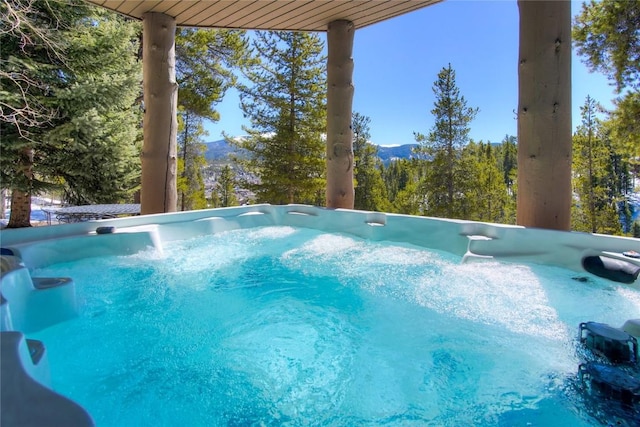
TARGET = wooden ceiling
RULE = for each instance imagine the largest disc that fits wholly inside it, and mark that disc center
(294, 15)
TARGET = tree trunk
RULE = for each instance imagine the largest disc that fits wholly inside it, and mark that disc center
(184, 160)
(340, 192)
(291, 144)
(21, 199)
(159, 151)
(544, 115)
(3, 203)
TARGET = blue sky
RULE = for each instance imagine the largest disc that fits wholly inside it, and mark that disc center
(397, 62)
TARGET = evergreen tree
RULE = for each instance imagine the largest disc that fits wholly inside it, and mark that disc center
(507, 153)
(487, 199)
(370, 191)
(31, 56)
(410, 200)
(607, 36)
(445, 181)
(286, 106)
(31, 47)
(395, 177)
(402, 180)
(618, 177)
(595, 210)
(625, 128)
(225, 188)
(98, 139)
(80, 67)
(205, 60)
(191, 161)
(204, 63)
(625, 215)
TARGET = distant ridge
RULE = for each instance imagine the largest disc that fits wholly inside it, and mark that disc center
(220, 150)
(387, 154)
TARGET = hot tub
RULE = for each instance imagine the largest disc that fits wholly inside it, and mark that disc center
(33, 306)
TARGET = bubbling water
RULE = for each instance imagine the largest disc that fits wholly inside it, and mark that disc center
(287, 326)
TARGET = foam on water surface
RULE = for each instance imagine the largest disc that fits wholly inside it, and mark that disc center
(286, 326)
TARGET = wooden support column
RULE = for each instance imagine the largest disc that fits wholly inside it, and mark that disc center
(340, 193)
(544, 115)
(159, 158)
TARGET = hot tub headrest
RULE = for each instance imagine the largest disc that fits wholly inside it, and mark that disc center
(612, 269)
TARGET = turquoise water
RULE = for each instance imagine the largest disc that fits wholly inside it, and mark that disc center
(282, 326)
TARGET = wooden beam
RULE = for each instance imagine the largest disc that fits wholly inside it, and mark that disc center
(544, 115)
(159, 158)
(340, 192)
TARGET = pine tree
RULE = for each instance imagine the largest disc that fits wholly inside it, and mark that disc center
(395, 177)
(625, 128)
(607, 36)
(191, 161)
(618, 180)
(410, 200)
(595, 210)
(286, 106)
(204, 63)
(31, 59)
(99, 135)
(402, 180)
(507, 153)
(32, 47)
(205, 60)
(370, 191)
(445, 182)
(225, 188)
(487, 198)
(81, 67)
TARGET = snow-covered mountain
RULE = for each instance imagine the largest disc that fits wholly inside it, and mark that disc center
(220, 150)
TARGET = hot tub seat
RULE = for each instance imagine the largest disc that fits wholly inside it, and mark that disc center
(25, 398)
(31, 304)
(50, 282)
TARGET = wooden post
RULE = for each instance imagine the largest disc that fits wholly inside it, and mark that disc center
(159, 158)
(340, 193)
(544, 115)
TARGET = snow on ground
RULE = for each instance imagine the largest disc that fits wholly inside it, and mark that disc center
(38, 215)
